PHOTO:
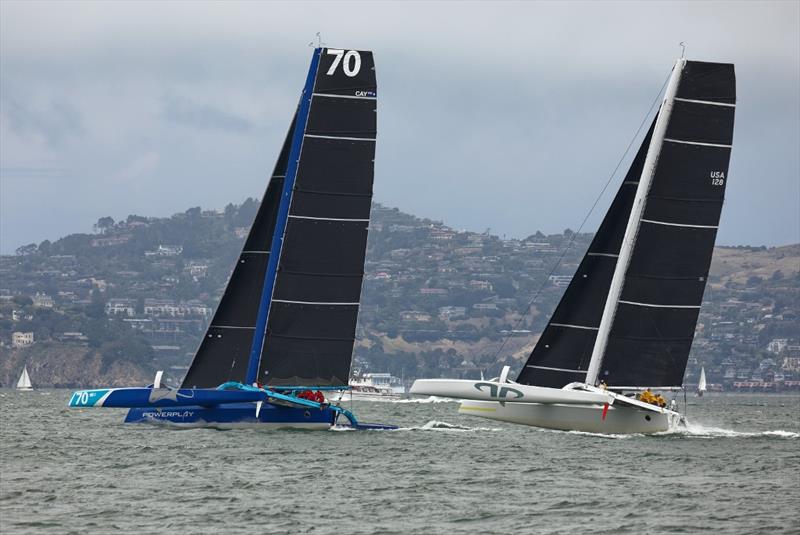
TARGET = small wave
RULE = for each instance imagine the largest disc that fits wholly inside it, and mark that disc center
(601, 435)
(436, 425)
(429, 399)
(342, 428)
(703, 431)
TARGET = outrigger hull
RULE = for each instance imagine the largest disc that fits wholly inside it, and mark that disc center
(234, 416)
(619, 418)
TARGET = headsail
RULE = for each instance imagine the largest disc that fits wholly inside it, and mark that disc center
(312, 315)
(223, 354)
(562, 354)
(655, 314)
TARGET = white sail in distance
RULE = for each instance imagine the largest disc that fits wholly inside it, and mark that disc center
(24, 382)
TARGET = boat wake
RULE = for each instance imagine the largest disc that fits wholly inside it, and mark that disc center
(436, 425)
(611, 436)
(429, 399)
(705, 431)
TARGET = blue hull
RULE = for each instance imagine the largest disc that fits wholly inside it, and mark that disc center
(234, 415)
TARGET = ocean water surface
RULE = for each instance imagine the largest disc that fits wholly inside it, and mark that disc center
(736, 469)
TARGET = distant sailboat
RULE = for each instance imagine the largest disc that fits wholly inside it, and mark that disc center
(24, 382)
(285, 328)
(701, 385)
(625, 324)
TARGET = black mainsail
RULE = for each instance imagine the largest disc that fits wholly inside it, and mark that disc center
(314, 308)
(288, 315)
(628, 316)
(663, 287)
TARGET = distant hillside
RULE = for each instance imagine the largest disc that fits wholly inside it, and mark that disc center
(112, 306)
(738, 264)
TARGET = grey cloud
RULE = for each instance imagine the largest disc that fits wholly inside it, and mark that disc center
(184, 111)
(56, 122)
(523, 109)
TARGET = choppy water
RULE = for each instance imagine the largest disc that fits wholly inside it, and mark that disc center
(737, 470)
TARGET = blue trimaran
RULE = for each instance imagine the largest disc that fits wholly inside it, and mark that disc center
(285, 327)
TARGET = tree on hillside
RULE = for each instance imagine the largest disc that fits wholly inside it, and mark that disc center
(97, 308)
(22, 300)
(25, 250)
(133, 218)
(104, 224)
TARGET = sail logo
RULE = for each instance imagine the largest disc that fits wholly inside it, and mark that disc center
(501, 393)
(351, 62)
(156, 414)
(717, 178)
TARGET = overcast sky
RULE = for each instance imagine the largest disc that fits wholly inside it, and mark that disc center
(509, 116)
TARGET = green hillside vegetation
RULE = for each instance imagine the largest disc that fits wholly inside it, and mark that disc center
(137, 294)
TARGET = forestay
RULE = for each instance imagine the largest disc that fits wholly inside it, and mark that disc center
(562, 353)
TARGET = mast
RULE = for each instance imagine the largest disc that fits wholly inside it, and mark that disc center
(280, 223)
(632, 229)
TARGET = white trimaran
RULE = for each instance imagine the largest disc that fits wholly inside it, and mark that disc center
(625, 324)
(24, 382)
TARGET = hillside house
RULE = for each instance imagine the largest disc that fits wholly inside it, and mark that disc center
(21, 339)
(121, 307)
(42, 300)
(452, 312)
(415, 315)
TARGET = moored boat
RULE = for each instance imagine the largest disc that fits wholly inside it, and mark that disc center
(373, 387)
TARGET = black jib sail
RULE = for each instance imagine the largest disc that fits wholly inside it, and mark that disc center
(562, 354)
(311, 323)
(224, 352)
(657, 311)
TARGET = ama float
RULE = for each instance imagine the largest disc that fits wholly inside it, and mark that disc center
(625, 325)
(285, 326)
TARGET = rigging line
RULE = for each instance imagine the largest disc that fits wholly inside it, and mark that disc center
(586, 218)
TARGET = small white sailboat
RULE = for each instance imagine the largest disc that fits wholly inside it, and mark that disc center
(24, 382)
(701, 385)
(624, 327)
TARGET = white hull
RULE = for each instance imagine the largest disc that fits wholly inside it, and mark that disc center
(504, 391)
(619, 419)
